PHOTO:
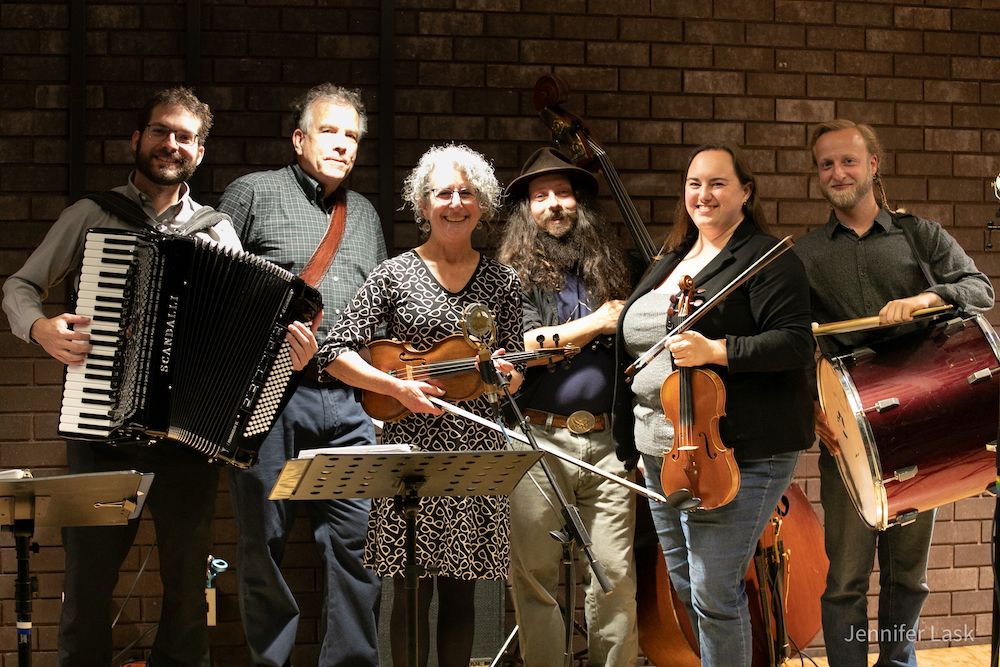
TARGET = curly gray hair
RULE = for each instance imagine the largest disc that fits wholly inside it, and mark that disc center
(473, 166)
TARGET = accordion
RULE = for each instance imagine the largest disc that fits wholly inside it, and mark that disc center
(187, 344)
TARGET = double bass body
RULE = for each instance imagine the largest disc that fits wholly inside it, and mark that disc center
(665, 634)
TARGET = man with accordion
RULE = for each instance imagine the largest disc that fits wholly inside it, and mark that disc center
(168, 143)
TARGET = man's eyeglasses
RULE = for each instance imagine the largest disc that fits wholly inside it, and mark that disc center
(465, 195)
(161, 132)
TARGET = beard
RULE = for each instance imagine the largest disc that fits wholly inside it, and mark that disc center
(565, 250)
(558, 224)
(161, 173)
(848, 199)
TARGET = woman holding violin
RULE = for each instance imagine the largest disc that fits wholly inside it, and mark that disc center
(420, 297)
(755, 401)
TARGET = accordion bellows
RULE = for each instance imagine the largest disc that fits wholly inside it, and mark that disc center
(188, 344)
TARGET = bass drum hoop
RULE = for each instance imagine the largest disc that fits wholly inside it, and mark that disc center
(990, 334)
(874, 512)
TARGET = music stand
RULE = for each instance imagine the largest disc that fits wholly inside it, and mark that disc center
(406, 477)
(92, 499)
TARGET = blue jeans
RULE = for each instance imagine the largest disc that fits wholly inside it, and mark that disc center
(707, 554)
(852, 546)
(315, 417)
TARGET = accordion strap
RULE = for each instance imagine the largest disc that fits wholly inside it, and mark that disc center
(121, 207)
(127, 210)
(322, 257)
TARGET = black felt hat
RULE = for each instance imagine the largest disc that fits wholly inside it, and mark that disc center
(550, 161)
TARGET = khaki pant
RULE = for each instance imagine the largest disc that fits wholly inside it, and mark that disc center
(608, 512)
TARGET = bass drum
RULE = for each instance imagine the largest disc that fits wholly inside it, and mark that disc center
(665, 633)
(914, 415)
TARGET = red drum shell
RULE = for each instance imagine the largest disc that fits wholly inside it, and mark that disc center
(934, 440)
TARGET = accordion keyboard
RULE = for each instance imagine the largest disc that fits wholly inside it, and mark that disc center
(88, 391)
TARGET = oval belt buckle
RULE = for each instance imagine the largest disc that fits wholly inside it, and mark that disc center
(580, 422)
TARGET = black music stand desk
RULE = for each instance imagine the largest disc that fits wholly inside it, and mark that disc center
(92, 499)
(405, 476)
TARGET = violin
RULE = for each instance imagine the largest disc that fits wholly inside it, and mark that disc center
(451, 362)
(694, 400)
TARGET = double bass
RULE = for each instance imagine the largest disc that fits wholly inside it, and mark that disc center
(788, 573)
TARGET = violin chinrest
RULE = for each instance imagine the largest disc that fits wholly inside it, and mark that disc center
(683, 500)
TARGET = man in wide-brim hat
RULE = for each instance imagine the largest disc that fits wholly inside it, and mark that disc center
(575, 276)
(548, 162)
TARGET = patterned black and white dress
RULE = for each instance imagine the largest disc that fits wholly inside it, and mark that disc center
(459, 537)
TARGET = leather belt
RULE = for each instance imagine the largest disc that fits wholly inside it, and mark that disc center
(579, 422)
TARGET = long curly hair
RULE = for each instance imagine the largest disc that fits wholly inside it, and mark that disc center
(601, 265)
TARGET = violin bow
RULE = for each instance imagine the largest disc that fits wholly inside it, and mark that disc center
(549, 449)
(779, 249)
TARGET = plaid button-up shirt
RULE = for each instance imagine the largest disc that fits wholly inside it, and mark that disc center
(281, 215)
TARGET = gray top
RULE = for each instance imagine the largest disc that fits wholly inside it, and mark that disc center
(645, 325)
(60, 253)
(281, 215)
(854, 277)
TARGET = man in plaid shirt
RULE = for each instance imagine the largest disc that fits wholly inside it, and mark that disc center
(283, 215)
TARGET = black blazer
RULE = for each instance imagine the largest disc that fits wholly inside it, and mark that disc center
(766, 324)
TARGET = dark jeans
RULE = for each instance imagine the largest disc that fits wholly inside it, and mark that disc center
(315, 417)
(181, 501)
(852, 547)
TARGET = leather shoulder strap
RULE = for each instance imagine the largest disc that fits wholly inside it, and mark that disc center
(322, 257)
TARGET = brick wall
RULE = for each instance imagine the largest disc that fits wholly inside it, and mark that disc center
(650, 77)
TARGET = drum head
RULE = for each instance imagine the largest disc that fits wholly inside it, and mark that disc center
(858, 459)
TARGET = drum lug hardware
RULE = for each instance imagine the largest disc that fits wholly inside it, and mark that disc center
(884, 405)
(951, 327)
(982, 375)
(861, 354)
(904, 518)
(903, 474)
(991, 447)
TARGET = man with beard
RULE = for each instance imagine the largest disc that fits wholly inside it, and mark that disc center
(576, 277)
(168, 144)
(865, 260)
(284, 215)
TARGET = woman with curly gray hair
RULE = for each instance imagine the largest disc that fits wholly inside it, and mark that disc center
(476, 170)
(420, 297)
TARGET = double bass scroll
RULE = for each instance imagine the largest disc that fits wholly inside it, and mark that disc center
(573, 139)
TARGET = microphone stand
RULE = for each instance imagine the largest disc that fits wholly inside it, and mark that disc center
(573, 534)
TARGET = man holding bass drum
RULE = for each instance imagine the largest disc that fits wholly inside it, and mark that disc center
(869, 259)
